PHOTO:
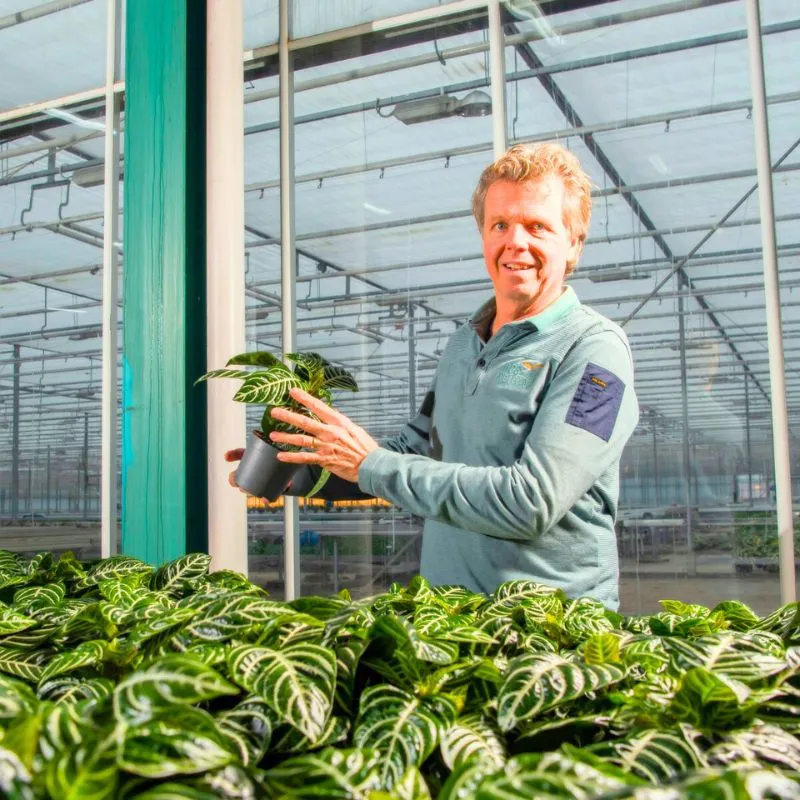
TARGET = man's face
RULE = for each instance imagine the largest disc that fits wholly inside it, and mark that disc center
(526, 245)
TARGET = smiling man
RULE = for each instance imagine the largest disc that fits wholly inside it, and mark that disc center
(513, 458)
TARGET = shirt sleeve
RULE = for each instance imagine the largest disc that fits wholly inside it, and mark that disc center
(584, 421)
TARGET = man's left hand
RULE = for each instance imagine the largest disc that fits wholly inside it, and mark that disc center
(332, 441)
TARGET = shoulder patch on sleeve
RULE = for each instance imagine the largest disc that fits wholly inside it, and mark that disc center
(596, 402)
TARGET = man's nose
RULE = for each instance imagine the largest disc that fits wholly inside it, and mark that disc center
(517, 237)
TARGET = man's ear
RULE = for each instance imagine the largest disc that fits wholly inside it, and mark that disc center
(574, 254)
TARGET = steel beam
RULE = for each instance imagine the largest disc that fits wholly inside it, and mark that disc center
(291, 520)
(109, 530)
(164, 444)
(780, 424)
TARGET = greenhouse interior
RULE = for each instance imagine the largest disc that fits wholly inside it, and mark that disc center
(184, 181)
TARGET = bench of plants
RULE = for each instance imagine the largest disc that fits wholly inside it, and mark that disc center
(120, 680)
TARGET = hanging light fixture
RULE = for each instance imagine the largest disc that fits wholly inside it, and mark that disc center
(476, 103)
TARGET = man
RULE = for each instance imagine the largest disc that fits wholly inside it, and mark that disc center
(513, 459)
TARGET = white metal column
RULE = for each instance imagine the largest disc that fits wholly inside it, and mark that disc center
(777, 378)
(109, 530)
(497, 78)
(225, 314)
(291, 522)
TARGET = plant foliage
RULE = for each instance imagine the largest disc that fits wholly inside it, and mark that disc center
(118, 680)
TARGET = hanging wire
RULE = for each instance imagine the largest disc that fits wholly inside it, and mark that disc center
(516, 99)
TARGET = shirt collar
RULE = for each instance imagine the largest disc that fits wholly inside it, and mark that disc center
(481, 320)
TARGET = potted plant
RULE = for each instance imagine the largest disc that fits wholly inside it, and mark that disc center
(260, 473)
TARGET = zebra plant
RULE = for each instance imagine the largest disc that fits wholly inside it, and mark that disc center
(268, 385)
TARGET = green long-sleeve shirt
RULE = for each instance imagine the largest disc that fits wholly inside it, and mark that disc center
(513, 460)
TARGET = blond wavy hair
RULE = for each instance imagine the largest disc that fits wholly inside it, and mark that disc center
(528, 162)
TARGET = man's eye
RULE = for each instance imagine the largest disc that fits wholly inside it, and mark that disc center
(500, 226)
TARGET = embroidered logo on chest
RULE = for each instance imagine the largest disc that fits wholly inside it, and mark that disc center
(518, 374)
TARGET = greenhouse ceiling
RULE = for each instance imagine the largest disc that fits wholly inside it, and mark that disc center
(654, 98)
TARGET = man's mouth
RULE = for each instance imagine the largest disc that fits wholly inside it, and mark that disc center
(518, 267)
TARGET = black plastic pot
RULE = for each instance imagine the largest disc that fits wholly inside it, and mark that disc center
(260, 473)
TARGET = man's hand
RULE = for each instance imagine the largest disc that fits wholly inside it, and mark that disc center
(333, 441)
(234, 455)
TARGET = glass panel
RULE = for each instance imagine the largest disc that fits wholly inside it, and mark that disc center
(51, 274)
(664, 129)
(260, 23)
(389, 259)
(310, 17)
(262, 288)
(68, 40)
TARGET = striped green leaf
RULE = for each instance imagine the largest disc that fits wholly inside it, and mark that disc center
(125, 591)
(739, 616)
(11, 621)
(233, 615)
(513, 594)
(535, 684)
(329, 774)
(761, 745)
(223, 373)
(249, 726)
(269, 387)
(540, 733)
(73, 690)
(348, 655)
(540, 775)
(785, 621)
(182, 573)
(457, 599)
(32, 599)
(291, 741)
(297, 683)
(473, 735)
(584, 618)
(8, 580)
(734, 784)
(321, 608)
(710, 701)
(602, 648)
(404, 634)
(261, 358)
(40, 566)
(182, 741)
(412, 786)
(84, 655)
(645, 652)
(435, 621)
(10, 563)
(15, 780)
(66, 726)
(210, 654)
(465, 779)
(116, 567)
(16, 699)
(745, 657)
(31, 637)
(309, 363)
(338, 378)
(658, 756)
(404, 728)
(23, 663)
(171, 680)
(86, 772)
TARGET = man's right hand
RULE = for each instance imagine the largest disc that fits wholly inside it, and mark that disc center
(230, 456)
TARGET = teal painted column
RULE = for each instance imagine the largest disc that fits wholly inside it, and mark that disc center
(164, 503)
